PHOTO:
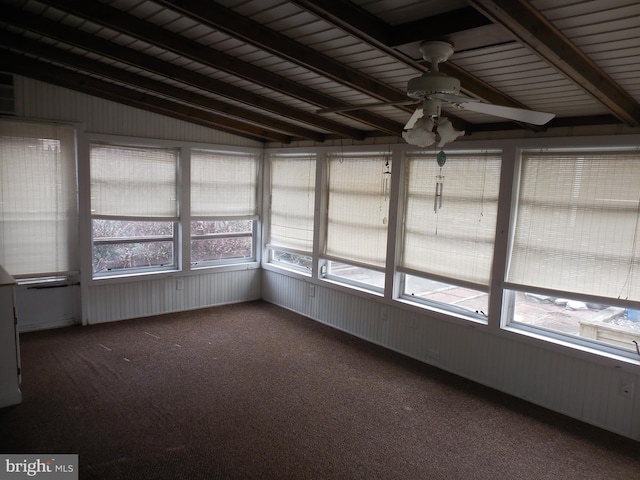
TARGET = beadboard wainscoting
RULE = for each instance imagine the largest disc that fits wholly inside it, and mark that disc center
(575, 386)
(141, 298)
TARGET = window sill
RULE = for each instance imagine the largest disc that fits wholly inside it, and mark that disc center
(351, 287)
(442, 313)
(277, 267)
(127, 277)
(612, 356)
(159, 275)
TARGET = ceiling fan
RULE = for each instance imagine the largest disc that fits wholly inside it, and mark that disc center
(434, 89)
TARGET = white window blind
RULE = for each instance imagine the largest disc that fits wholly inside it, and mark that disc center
(577, 226)
(38, 198)
(132, 182)
(358, 208)
(292, 201)
(454, 241)
(223, 185)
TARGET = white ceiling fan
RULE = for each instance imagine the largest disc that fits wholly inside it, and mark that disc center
(433, 89)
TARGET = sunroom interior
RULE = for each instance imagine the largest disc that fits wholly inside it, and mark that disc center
(158, 156)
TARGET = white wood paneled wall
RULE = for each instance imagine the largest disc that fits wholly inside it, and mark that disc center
(42, 101)
(124, 300)
(585, 390)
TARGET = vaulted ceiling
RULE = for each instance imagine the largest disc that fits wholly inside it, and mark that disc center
(263, 68)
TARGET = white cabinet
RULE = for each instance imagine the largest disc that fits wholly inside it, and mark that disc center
(10, 393)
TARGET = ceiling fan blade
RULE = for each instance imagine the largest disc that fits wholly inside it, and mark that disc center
(518, 114)
(349, 108)
(453, 98)
(417, 115)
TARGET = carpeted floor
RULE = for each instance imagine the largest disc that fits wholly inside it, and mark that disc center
(253, 391)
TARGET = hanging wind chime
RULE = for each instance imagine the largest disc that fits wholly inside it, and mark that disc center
(441, 158)
(386, 178)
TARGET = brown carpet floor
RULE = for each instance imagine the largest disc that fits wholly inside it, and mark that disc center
(253, 391)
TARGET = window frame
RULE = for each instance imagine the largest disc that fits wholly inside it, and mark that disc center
(383, 160)
(210, 216)
(304, 257)
(174, 239)
(402, 271)
(61, 192)
(138, 270)
(327, 274)
(479, 316)
(299, 266)
(509, 290)
(203, 264)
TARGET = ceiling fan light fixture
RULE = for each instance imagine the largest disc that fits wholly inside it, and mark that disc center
(422, 134)
(428, 130)
(446, 132)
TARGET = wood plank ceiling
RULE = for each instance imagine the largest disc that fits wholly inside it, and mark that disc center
(262, 68)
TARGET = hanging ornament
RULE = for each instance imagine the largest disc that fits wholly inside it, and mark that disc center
(437, 201)
(386, 187)
(441, 158)
(386, 179)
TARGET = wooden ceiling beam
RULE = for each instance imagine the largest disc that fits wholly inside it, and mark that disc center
(403, 41)
(442, 26)
(49, 73)
(351, 18)
(78, 62)
(368, 28)
(85, 41)
(532, 29)
(251, 32)
(359, 22)
(122, 22)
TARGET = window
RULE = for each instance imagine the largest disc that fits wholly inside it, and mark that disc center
(575, 261)
(134, 209)
(38, 199)
(449, 230)
(358, 209)
(224, 192)
(290, 238)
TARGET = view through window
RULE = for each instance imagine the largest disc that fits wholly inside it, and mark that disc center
(133, 208)
(292, 210)
(576, 245)
(224, 207)
(358, 217)
(38, 199)
(451, 207)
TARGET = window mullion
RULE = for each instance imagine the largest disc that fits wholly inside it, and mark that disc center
(184, 209)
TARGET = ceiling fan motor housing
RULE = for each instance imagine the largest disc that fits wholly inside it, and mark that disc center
(431, 83)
